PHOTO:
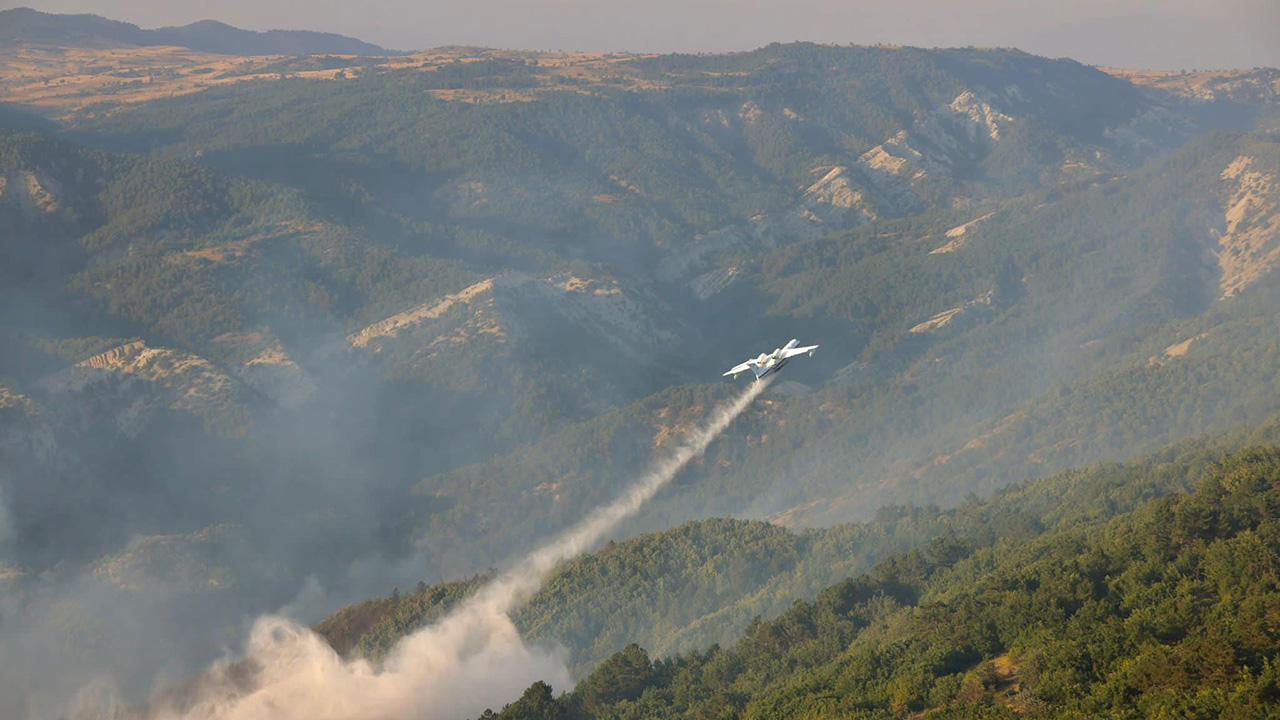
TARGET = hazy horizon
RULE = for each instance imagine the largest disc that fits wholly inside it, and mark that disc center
(1182, 34)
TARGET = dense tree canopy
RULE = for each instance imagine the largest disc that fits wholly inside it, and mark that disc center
(1165, 610)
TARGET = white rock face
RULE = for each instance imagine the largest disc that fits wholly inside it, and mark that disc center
(982, 117)
(834, 189)
(1249, 248)
(951, 131)
(931, 146)
(834, 195)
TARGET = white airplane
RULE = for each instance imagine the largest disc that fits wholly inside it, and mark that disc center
(769, 363)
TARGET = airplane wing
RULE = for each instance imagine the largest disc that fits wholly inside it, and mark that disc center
(741, 368)
(798, 351)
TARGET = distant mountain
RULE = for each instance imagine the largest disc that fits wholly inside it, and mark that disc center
(32, 27)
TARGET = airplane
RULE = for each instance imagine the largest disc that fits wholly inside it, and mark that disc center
(769, 363)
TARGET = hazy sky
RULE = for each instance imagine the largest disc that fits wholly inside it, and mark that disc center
(1147, 33)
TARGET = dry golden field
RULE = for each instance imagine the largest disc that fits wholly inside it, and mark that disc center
(68, 83)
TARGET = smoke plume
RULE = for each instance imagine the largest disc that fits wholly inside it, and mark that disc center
(472, 659)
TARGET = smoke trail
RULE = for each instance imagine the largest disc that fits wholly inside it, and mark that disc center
(472, 659)
(523, 580)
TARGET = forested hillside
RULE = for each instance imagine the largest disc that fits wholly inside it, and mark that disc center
(294, 331)
(1126, 342)
(703, 583)
(1151, 608)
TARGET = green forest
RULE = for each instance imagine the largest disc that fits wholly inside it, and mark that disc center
(1156, 598)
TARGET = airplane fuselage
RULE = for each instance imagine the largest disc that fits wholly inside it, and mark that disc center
(774, 365)
(766, 364)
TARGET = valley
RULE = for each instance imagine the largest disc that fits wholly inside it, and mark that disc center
(290, 320)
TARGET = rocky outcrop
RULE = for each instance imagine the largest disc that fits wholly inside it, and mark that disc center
(955, 130)
(951, 315)
(260, 360)
(35, 193)
(1176, 350)
(1249, 246)
(982, 118)
(834, 197)
(511, 306)
(957, 237)
(138, 378)
(392, 326)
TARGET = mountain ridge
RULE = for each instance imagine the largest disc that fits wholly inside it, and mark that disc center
(25, 25)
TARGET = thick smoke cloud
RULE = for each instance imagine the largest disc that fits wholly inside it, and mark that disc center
(453, 669)
(472, 659)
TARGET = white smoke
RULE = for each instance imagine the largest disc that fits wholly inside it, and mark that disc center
(472, 659)
(522, 581)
